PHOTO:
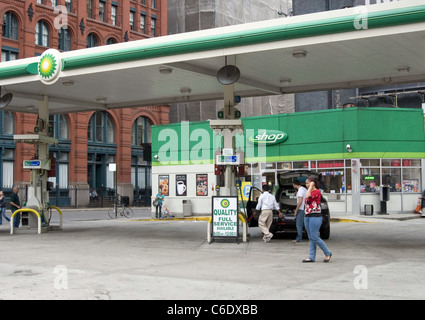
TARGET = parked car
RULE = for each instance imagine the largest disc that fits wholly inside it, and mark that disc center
(288, 202)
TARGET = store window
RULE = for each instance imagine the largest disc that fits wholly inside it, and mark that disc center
(411, 172)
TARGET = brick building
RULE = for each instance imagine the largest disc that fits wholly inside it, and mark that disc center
(88, 141)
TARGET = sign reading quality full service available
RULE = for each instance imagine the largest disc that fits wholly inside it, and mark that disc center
(225, 217)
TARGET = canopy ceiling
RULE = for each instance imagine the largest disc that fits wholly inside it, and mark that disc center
(349, 48)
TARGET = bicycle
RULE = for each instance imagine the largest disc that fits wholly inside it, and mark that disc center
(120, 210)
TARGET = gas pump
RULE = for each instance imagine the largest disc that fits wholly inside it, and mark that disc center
(38, 190)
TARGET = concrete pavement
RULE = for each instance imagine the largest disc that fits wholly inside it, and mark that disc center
(98, 258)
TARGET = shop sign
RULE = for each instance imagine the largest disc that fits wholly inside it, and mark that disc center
(225, 217)
(269, 137)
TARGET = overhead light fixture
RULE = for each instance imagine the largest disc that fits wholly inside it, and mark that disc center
(165, 70)
(285, 80)
(404, 69)
(101, 100)
(68, 83)
(299, 54)
(185, 90)
(6, 99)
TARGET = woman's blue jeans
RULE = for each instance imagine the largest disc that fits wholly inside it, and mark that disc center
(3, 215)
(312, 225)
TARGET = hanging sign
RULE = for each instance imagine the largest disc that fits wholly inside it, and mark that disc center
(225, 217)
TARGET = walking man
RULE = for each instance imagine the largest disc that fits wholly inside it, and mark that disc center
(266, 203)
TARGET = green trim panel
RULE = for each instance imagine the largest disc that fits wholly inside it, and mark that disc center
(387, 18)
(371, 133)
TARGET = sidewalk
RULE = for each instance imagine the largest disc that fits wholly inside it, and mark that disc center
(343, 217)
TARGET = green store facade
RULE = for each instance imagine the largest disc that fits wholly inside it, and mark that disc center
(357, 150)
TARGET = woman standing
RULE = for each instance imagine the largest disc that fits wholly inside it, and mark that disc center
(313, 220)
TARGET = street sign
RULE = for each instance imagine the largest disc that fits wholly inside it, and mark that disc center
(37, 164)
(227, 160)
(225, 217)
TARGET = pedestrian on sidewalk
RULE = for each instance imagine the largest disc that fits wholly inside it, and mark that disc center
(3, 208)
(15, 204)
(266, 203)
(313, 220)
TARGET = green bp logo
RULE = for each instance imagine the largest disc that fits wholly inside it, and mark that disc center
(49, 66)
(225, 203)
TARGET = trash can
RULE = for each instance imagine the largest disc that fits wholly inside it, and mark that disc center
(187, 208)
(368, 209)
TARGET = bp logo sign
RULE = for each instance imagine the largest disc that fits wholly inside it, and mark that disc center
(269, 137)
(49, 66)
(225, 203)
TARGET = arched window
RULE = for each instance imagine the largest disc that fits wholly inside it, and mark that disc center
(101, 128)
(92, 40)
(7, 152)
(141, 132)
(42, 34)
(64, 42)
(59, 123)
(10, 26)
(141, 170)
(111, 41)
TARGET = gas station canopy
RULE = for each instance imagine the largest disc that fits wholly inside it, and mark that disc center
(350, 48)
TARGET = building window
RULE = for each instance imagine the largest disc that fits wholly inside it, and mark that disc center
(8, 159)
(141, 132)
(102, 11)
(101, 128)
(92, 40)
(59, 123)
(64, 42)
(153, 27)
(89, 8)
(42, 34)
(10, 26)
(68, 5)
(7, 125)
(143, 23)
(111, 41)
(154, 4)
(132, 20)
(114, 11)
(9, 54)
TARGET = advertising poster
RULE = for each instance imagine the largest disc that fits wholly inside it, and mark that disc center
(181, 185)
(225, 217)
(202, 185)
(163, 184)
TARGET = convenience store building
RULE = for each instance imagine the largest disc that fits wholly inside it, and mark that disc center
(355, 149)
